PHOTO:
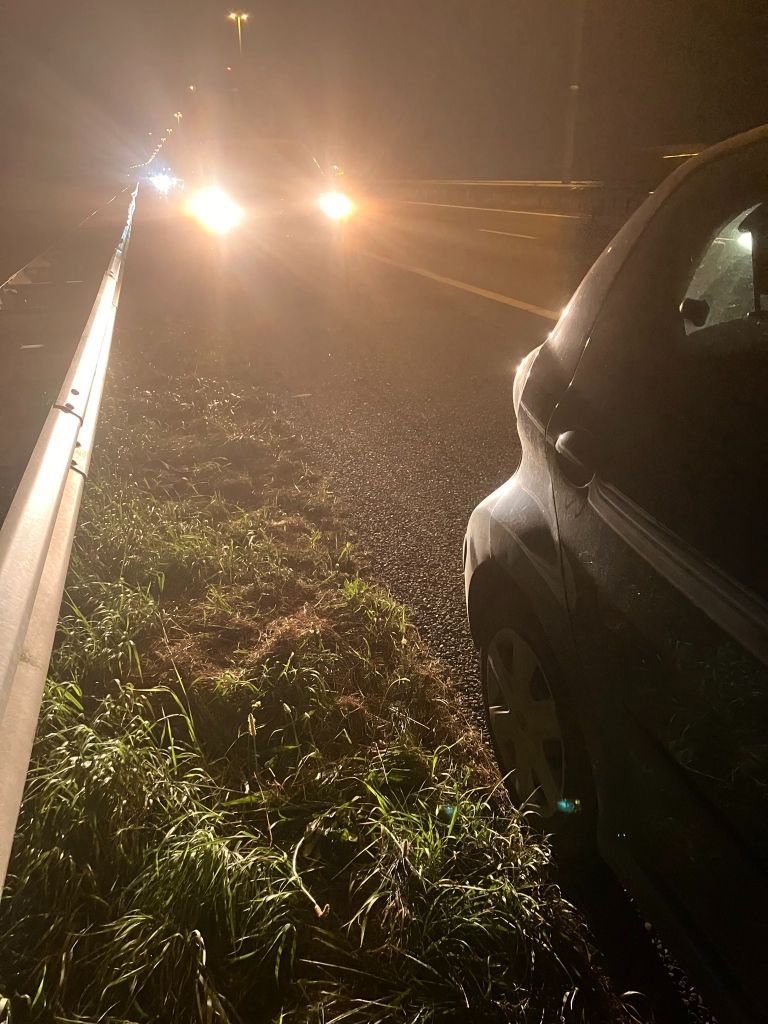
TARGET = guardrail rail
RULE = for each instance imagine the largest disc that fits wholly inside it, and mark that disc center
(588, 199)
(36, 541)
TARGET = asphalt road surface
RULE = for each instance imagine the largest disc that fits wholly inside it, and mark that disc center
(392, 345)
(393, 350)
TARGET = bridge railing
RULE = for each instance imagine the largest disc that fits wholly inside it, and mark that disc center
(36, 541)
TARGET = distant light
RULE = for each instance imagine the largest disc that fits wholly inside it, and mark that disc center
(336, 205)
(227, 68)
(745, 240)
(214, 209)
(567, 806)
(162, 182)
(191, 88)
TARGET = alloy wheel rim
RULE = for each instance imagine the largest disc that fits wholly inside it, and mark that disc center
(524, 723)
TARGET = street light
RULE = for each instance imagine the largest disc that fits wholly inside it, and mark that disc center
(178, 115)
(574, 87)
(239, 17)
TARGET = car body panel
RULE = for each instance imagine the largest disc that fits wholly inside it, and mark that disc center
(664, 652)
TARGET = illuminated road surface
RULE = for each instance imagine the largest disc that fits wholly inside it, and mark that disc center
(393, 349)
(393, 352)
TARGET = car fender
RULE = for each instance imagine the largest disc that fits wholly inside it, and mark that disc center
(511, 561)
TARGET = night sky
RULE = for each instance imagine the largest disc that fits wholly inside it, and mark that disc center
(447, 88)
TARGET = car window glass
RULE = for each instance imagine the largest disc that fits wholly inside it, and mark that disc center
(679, 414)
(723, 278)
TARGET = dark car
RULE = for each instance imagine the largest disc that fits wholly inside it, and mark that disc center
(617, 584)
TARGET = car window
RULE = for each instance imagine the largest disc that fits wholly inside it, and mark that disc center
(677, 408)
(723, 277)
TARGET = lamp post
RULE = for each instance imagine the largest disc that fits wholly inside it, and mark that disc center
(239, 17)
(178, 115)
(574, 86)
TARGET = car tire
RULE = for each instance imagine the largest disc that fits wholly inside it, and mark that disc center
(629, 956)
(536, 740)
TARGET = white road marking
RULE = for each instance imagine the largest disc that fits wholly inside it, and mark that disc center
(492, 209)
(507, 183)
(485, 293)
(31, 346)
(510, 234)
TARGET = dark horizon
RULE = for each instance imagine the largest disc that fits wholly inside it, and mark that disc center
(442, 89)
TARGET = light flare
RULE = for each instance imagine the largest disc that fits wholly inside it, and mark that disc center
(162, 182)
(336, 205)
(215, 210)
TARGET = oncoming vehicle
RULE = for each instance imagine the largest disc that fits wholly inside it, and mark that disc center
(617, 584)
(245, 182)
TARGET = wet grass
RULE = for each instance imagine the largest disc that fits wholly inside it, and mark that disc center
(254, 796)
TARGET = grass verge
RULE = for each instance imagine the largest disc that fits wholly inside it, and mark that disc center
(254, 796)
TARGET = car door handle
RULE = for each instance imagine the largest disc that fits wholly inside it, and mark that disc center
(575, 451)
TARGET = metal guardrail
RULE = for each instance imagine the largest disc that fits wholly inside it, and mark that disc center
(36, 541)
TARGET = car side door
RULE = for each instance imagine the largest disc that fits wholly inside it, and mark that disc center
(658, 451)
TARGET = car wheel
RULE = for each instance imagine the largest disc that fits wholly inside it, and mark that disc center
(536, 742)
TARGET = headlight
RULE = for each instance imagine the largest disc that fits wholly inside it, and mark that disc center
(336, 205)
(215, 210)
(163, 183)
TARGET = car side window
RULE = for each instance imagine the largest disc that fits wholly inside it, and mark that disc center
(674, 394)
(723, 277)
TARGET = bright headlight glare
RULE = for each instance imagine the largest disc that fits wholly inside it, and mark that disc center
(336, 205)
(214, 209)
(162, 183)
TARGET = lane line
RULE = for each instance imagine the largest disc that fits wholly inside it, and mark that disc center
(509, 234)
(485, 293)
(490, 209)
(509, 183)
